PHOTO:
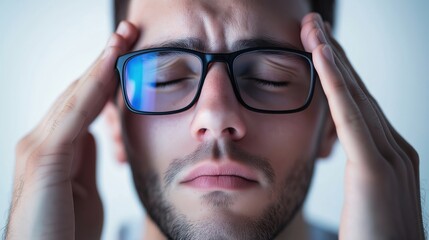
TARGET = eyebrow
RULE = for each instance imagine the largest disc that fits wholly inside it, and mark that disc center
(199, 45)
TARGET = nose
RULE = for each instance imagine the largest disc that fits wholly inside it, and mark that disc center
(218, 114)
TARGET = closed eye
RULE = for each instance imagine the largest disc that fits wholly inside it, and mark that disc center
(267, 83)
(167, 83)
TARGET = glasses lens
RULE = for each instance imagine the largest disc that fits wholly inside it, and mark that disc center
(273, 80)
(162, 81)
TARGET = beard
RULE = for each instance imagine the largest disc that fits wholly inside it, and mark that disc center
(290, 195)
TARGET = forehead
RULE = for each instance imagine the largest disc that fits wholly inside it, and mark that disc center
(218, 24)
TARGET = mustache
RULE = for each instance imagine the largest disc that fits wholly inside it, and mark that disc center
(217, 150)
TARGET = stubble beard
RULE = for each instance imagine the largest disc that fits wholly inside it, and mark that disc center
(176, 225)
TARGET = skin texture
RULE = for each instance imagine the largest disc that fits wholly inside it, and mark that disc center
(55, 195)
(288, 144)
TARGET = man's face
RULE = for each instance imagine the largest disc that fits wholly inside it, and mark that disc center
(218, 169)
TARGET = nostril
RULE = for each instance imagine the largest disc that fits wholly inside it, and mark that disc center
(227, 132)
(231, 131)
(202, 132)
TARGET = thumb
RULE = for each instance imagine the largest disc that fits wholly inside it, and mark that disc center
(87, 203)
(83, 172)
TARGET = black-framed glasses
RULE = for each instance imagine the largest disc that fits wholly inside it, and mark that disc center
(169, 80)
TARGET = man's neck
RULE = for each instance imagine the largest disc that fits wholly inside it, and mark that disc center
(297, 229)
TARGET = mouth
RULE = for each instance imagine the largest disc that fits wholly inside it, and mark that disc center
(229, 176)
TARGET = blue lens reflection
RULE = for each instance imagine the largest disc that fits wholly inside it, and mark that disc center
(139, 71)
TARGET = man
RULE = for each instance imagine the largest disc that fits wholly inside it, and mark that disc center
(222, 117)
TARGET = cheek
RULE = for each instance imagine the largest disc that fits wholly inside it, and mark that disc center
(155, 141)
(288, 141)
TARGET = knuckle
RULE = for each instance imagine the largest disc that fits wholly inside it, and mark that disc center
(54, 125)
(48, 157)
(69, 105)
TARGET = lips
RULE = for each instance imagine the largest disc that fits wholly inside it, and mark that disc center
(231, 176)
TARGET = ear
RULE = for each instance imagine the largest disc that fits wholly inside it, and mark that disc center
(112, 117)
(328, 138)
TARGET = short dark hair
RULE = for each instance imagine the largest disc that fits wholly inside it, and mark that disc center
(326, 8)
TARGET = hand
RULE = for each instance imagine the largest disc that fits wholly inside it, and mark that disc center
(55, 194)
(382, 196)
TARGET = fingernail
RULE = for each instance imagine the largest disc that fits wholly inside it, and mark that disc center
(327, 51)
(122, 29)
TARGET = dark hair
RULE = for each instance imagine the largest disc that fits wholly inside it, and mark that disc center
(323, 7)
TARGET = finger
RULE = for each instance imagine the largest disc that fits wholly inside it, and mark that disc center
(67, 100)
(311, 33)
(384, 135)
(350, 124)
(328, 28)
(408, 168)
(361, 98)
(100, 77)
(403, 148)
(94, 89)
(351, 127)
(100, 81)
(407, 164)
(399, 143)
(310, 17)
(411, 175)
(86, 198)
(379, 126)
(129, 32)
(83, 172)
(54, 109)
(31, 141)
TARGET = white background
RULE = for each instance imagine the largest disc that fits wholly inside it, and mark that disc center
(46, 44)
